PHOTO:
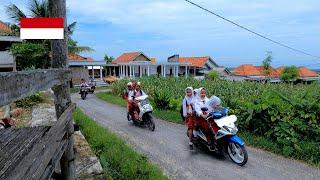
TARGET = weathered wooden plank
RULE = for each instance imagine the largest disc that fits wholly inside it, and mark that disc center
(20, 147)
(44, 159)
(8, 138)
(54, 161)
(42, 152)
(17, 85)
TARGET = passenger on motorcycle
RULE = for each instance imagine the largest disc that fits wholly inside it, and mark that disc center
(201, 122)
(187, 111)
(134, 109)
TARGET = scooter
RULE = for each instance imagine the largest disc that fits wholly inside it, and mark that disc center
(225, 132)
(144, 116)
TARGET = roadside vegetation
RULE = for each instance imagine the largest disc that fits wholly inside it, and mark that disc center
(118, 160)
(281, 118)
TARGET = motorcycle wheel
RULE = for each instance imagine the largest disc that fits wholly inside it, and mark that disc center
(128, 116)
(83, 95)
(149, 121)
(238, 154)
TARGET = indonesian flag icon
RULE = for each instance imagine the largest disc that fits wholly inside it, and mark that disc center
(41, 28)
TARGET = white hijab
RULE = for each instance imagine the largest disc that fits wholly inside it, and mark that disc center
(189, 98)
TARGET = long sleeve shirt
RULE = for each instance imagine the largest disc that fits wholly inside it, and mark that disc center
(200, 103)
(187, 101)
(135, 94)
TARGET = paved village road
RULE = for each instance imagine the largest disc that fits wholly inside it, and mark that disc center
(167, 147)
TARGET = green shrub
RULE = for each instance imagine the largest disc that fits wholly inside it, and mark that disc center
(213, 75)
(161, 100)
(175, 104)
(30, 101)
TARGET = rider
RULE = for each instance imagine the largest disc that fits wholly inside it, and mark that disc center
(134, 105)
(187, 109)
(202, 102)
(138, 92)
(83, 84)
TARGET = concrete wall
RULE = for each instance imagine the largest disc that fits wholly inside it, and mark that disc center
(78, 73)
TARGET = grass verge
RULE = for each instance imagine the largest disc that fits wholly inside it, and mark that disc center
(310, 152)
(118, 160)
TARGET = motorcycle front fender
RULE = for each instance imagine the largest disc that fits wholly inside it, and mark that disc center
(236, 139)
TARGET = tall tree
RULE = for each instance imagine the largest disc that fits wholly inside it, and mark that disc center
(266, 63)
(108, 59)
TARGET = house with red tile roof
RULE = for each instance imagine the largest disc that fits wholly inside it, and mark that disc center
(137, 64)
(258, 73)
(199, 65)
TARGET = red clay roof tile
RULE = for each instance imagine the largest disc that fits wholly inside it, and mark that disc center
(126, 57)
(76, 57)
(305, 72)
(195, 61)
(250, 70)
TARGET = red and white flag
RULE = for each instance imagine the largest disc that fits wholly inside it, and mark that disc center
(41, 28)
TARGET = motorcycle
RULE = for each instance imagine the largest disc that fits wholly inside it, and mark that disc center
(226, 139)
(144, 118)
(83, 92)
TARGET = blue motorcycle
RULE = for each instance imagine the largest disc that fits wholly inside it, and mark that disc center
(224, 130)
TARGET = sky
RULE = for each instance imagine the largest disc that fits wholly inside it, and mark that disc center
(161, 28)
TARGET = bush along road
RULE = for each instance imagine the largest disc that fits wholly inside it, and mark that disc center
(167, 147)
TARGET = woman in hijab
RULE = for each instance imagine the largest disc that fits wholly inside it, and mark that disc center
(203, 102)
(187, 109)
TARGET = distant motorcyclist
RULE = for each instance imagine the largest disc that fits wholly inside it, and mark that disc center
(83, 84)
(202, 102)
(187, 111)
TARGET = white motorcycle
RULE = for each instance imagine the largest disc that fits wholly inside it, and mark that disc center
(144, 117)
(227, 140)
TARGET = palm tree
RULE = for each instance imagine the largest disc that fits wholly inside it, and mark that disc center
(40, 8)
(73, 47)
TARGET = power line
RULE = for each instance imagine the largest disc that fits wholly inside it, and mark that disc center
(251, 31)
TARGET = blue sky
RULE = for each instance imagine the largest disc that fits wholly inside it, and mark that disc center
(161, 28)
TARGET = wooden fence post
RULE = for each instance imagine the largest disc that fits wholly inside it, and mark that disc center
(59, 48)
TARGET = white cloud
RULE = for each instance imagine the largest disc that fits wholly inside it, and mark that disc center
(178, 19)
